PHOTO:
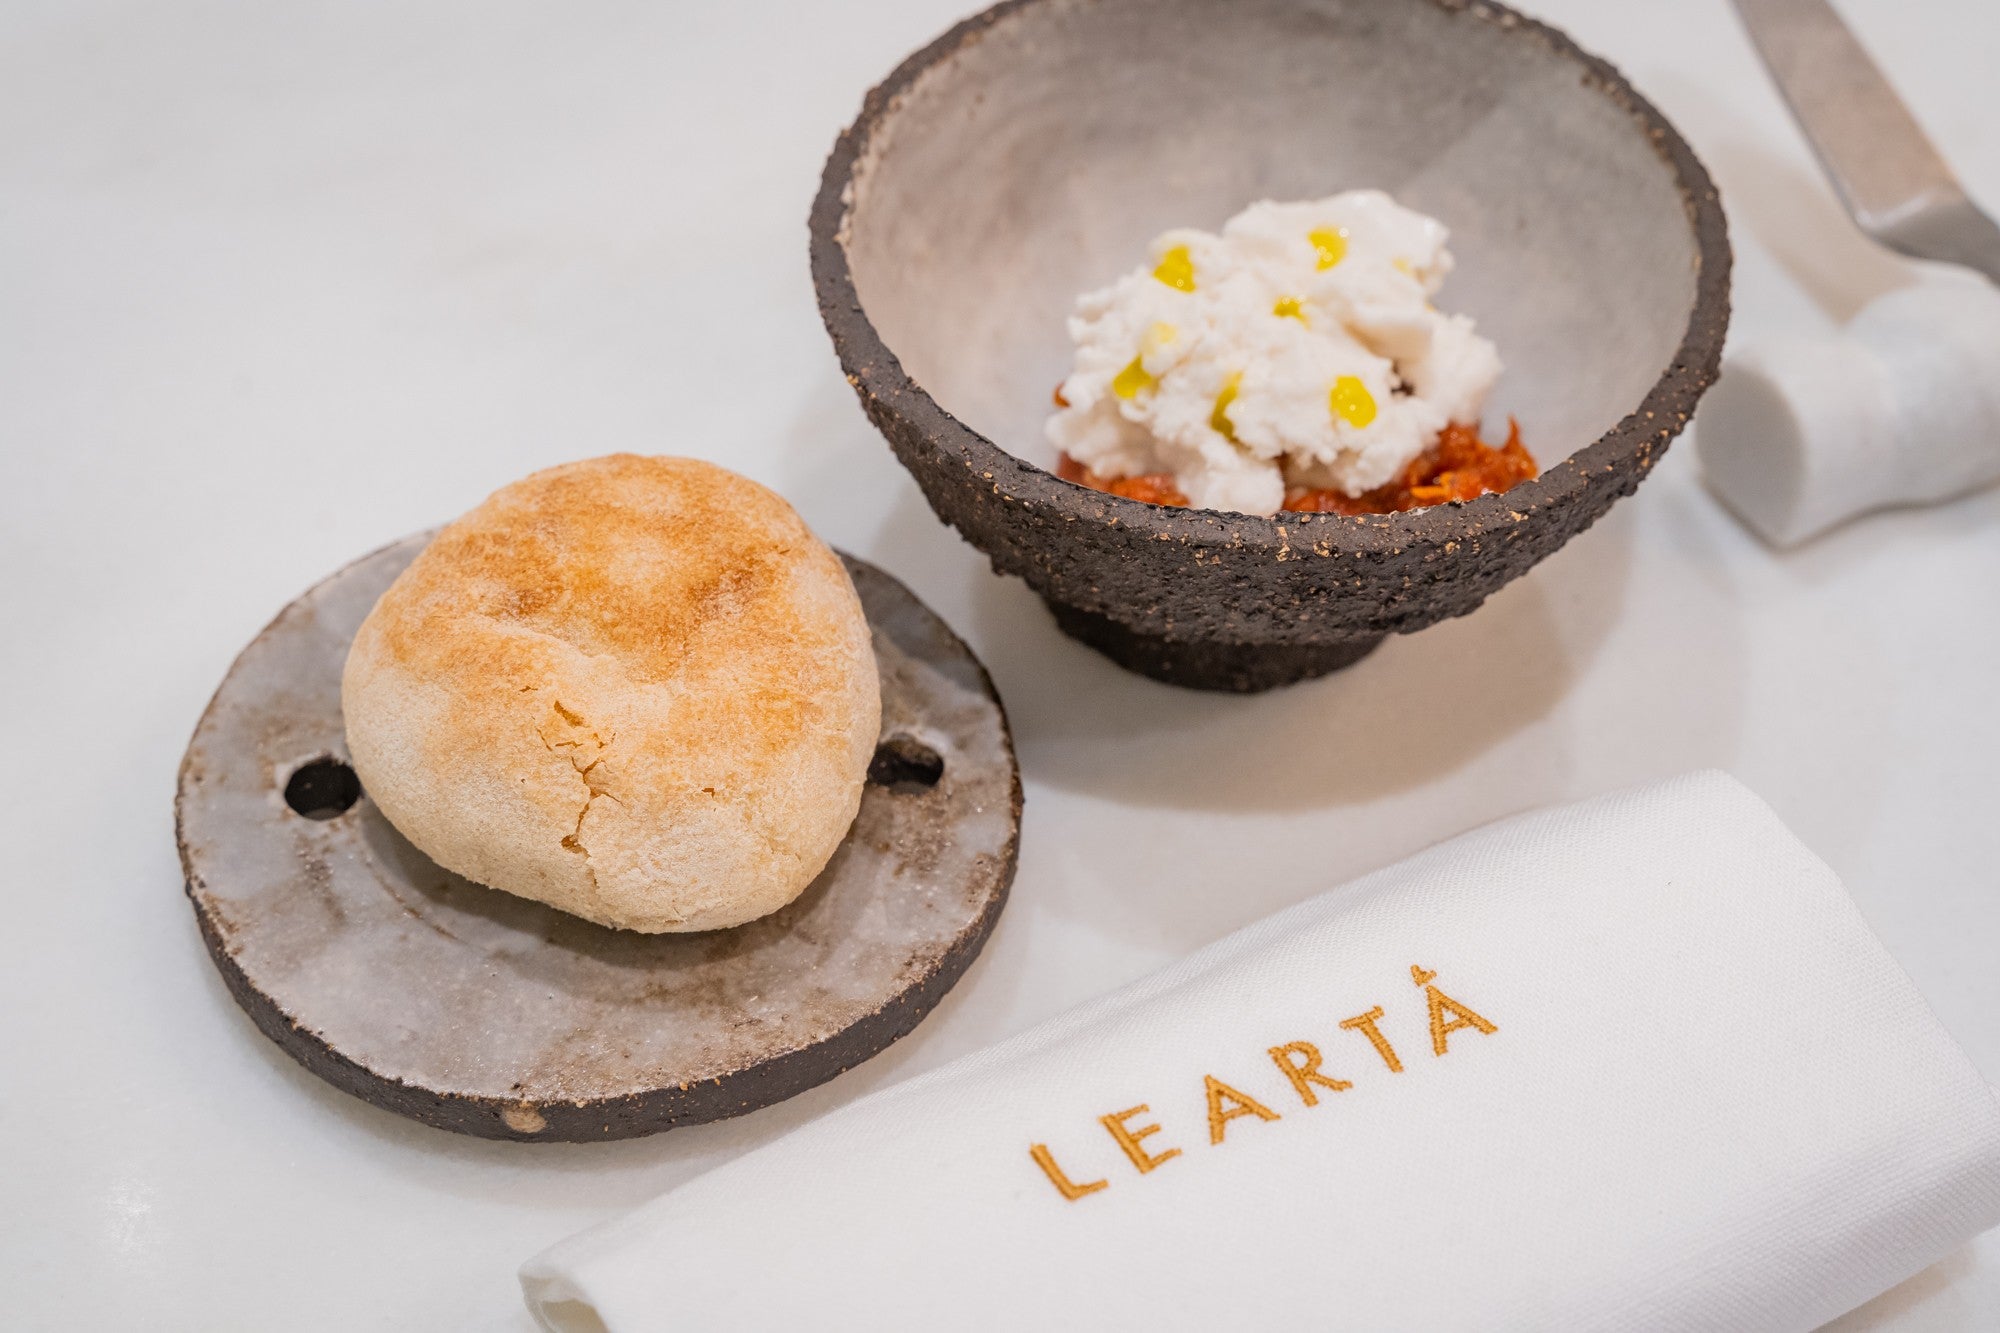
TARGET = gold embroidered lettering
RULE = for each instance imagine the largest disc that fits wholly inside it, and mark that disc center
(1220, 1116)
(1128, 1138)
(1306, 1072)
(1440, 1003)
(1060, 1179)
(1365, 1023)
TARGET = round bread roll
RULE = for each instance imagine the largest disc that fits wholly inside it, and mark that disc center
(637, 689)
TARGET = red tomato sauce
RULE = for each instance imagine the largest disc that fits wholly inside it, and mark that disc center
(1460, 466)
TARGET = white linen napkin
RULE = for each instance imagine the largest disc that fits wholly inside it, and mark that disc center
(1635, 1063)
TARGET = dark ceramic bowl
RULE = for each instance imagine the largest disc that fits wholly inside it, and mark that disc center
(1031, 152)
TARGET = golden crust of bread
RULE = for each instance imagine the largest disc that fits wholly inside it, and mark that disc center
(638, 689)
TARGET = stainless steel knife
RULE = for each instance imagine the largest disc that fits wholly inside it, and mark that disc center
(1890, 176)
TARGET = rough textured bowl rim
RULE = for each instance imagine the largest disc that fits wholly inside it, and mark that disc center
(876, 373)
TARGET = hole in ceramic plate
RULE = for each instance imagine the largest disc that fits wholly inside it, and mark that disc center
(324, 788)
(905, 763)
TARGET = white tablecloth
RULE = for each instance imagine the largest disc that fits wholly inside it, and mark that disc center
(280, 283)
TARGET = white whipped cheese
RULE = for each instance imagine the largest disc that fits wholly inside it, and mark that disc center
(1298, 348)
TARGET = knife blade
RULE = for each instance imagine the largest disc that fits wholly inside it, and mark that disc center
(1893, 181)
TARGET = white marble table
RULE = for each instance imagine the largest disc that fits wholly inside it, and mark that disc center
(280, 283)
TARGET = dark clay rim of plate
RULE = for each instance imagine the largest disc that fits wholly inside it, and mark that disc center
(1630, 445)
(629, 1115)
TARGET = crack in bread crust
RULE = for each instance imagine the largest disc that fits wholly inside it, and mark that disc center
(565, 733)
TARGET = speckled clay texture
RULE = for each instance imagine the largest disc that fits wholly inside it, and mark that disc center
(1029, 153)
(479, 1012)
